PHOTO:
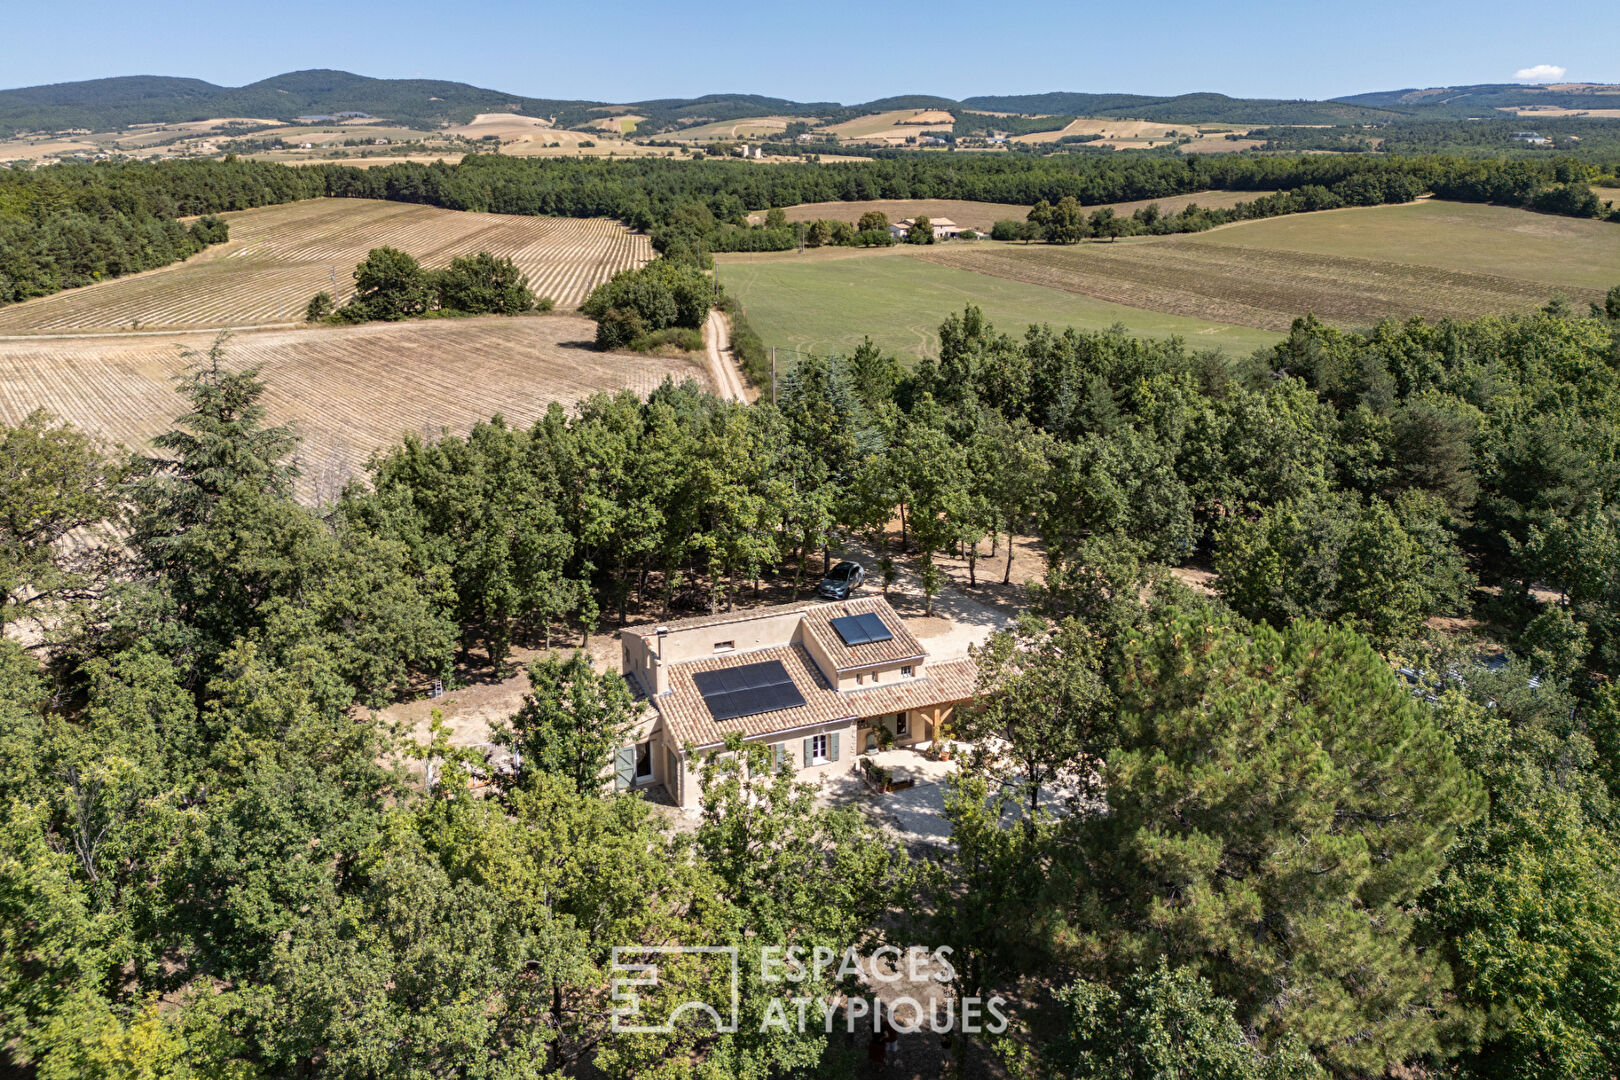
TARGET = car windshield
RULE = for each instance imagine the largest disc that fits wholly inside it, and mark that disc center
(842, 572)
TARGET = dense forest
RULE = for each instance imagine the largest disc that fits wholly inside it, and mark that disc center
(1337, 840)
(1586, 138)
(68, 225)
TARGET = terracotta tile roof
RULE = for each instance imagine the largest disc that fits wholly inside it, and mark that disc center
(902, 646)
(689, 720)
(646, 630)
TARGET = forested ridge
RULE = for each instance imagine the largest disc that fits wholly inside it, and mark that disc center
(68, 225)
(1309, 864)
(105, 104)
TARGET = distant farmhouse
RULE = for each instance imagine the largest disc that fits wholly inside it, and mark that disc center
(944, 228)
(814, 682)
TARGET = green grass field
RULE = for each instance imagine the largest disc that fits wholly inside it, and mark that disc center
(826, 301)
(1558, 251)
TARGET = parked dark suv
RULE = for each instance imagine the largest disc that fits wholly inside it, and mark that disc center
(841, 581)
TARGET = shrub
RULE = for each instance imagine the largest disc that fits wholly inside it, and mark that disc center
(682, 337)
(662, 294)
(320, 306)
(545, 303)
(210, 230)
(616, 328)
(746, 345)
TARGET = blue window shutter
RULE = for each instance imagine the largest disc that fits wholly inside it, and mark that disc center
(809, 753)
(832, 747)
(624, 767)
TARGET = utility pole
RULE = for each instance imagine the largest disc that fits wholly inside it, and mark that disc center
(773, 374)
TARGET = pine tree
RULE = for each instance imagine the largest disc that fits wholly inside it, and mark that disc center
(1276, 804)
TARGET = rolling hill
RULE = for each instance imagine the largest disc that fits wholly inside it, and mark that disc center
(115, 103)
(108, 104)
(1189, 108)
(1485, 98)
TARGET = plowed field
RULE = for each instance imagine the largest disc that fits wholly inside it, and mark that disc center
(280, 256)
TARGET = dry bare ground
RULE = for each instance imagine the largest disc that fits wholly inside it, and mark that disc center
(349, 390)
(895, 125)
(280, 256)
(723, 374)
(1119, 133)
(1252, 286)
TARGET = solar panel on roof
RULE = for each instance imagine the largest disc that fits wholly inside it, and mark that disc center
(861, 629)
(748, 690)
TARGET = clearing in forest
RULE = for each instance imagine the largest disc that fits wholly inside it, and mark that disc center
(826, 300)
(752, 127)
(280, 256)
(1351, 267)
(350, 390)
(1120, 134)
(894, 125)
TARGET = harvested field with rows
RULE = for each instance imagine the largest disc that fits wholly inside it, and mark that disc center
(1429, 259)
(349, 390)
(280, 256)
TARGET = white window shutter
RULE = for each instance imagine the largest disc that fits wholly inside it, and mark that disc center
(624, 767)
(832, 747)
(809, 752)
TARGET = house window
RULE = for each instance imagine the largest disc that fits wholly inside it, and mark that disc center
(818, 750)
(902, 726)
(644, 762)
(725, 646)
(905, 671)
(860, 679)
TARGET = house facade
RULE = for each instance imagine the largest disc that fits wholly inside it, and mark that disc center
(944, 229)
(814, 682)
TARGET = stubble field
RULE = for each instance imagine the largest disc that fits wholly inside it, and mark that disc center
(1349, 267)
(280, 256)
(349, 390)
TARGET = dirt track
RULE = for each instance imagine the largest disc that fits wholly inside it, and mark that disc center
(722, 365)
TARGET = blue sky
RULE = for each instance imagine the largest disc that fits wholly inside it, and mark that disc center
(618, 50)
